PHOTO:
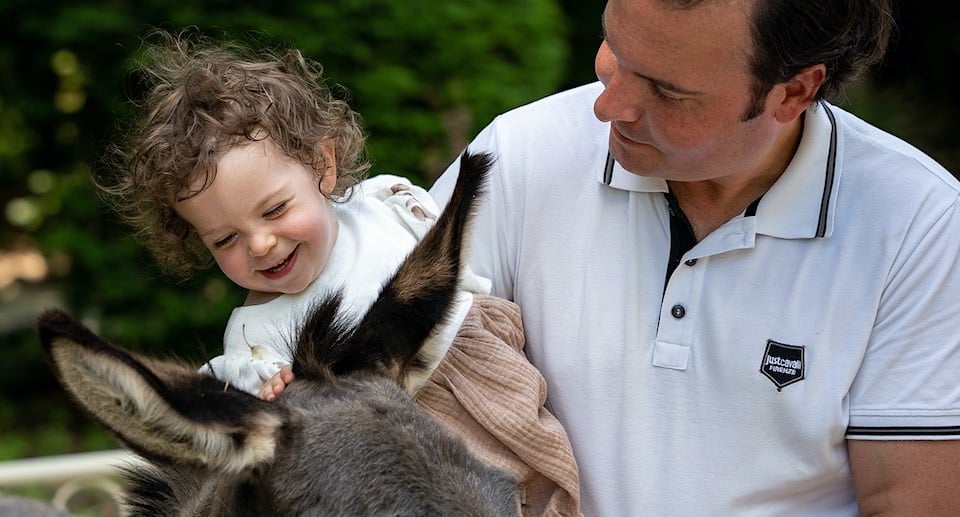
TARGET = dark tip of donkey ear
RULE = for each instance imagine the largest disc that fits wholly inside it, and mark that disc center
(53, 318)
(55, 322)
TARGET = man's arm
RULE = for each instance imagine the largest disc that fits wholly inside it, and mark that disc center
(906, 477)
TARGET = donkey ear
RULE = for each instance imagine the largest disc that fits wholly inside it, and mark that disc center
(163, 410)
(421, 294)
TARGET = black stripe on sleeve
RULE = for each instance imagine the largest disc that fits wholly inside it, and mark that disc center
(854, 431)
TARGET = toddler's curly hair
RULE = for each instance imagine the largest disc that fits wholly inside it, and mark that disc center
(203, 97)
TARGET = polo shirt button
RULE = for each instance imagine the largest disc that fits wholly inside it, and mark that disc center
(678, 311)
(691, 262)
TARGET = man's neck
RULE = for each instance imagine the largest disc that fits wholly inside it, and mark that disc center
(708, 204)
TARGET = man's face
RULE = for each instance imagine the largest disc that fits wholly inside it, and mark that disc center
(677, 84)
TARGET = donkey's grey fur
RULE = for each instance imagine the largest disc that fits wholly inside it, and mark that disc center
(343, 439)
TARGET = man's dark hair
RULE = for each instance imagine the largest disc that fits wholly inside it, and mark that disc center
(848, 36)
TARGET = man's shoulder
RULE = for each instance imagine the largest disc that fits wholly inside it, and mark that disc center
(558, 126)
(865, 145)
(903, 181)
(578, 94)
(574, 103)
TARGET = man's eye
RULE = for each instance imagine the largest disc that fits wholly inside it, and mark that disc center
(275, 211)
(224, 241)
(659, 92)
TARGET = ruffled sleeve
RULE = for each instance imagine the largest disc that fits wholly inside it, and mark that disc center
(402, 197)
(257, 342)
(244, 373)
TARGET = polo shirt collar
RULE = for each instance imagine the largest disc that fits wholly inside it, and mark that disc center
(799, 204)
(614, 175)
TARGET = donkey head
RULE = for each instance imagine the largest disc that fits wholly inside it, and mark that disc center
(343, 439)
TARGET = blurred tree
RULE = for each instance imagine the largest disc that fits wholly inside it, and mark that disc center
(425, 77)
(585, 35)
(913, 93)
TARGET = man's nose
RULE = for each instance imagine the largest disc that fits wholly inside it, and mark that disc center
(617, 101)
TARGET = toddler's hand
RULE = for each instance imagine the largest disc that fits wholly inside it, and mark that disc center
(413, 203)
(277, 383)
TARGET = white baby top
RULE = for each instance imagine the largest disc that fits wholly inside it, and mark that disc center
(377, 231)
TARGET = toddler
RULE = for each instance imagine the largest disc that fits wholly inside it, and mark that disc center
(248, 160)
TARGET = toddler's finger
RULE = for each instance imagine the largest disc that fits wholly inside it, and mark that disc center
(266, 393)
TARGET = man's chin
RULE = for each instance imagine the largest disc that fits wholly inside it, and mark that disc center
(633, 164)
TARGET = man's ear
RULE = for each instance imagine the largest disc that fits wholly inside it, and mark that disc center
(327, 166)
(799, 92)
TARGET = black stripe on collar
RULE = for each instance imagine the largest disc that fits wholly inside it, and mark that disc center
(608, 170)
(828, 176)
(827, 183)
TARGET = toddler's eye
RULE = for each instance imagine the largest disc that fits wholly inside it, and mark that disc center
(224, 241)
(275, 211)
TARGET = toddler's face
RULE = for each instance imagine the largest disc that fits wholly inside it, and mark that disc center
(265, 219)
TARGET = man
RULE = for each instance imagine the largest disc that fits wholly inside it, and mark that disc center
(754, 311)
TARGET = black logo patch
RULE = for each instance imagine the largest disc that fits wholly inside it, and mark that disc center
(782, 364)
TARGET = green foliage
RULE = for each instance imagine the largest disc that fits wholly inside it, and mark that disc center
(913, 93)
(424, 75)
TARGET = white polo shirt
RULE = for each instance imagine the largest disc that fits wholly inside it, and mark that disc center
(832, 313)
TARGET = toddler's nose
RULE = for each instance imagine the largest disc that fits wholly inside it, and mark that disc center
(261, 244)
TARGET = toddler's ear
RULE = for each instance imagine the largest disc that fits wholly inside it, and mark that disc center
(328, 167)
